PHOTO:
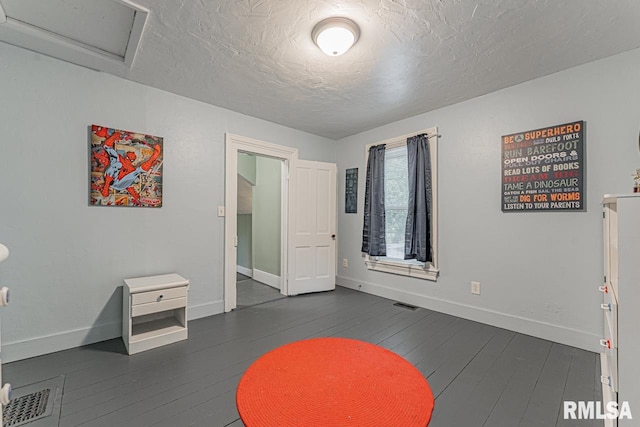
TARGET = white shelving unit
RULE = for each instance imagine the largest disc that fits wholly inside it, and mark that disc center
(154, 310)
(5, 391)
(620, 359)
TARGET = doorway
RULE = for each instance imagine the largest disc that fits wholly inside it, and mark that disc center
(259, 277)
(236, 147)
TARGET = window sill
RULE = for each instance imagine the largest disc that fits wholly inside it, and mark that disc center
(409, 268)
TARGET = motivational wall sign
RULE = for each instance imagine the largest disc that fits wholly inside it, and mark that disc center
(543, 169)
(351, 191)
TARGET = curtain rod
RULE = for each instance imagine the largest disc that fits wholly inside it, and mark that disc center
(430, 135)
(402, 139)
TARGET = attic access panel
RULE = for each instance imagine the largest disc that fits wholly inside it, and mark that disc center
(98, 34)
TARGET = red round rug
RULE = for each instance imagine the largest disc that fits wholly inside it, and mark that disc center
(329, 382)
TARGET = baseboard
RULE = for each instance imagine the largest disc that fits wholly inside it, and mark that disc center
(57, 342)
(205, 310)
(244, 270)
(14, 351)
(266, 278)
(547, 331)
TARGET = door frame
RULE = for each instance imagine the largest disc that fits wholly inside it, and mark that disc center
(233, 145)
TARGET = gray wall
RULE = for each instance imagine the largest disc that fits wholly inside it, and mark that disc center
(266, 215)
(247, 166)
(539, 272)
(245, 241)
(68, 259)
(247, 169)
(259, 233)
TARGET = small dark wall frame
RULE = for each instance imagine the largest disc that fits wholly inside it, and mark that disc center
(351, 191)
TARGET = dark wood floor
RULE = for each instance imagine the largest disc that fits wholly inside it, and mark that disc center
(480, 375)
(250, 292)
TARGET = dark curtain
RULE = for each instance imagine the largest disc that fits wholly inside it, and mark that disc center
(373, 231)
(417, 238)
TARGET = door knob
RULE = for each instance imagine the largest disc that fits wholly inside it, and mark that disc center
(4, 296)
(5, 394)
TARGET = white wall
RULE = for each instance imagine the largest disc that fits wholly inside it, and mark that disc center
(539, 272)
(68, 259)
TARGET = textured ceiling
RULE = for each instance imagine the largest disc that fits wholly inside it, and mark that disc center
(257, 57)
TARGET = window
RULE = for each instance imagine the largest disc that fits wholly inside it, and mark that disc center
(396, 195)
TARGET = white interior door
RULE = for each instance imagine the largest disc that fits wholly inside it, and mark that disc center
(312, 227)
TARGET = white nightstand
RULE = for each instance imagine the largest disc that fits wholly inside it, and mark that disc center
(154, 311)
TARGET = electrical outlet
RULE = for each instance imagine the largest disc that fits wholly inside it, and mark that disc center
(345, 263)
(475, 288)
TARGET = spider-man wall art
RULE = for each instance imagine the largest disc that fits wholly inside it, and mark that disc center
(126, 168)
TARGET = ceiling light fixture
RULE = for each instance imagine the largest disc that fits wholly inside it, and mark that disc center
(334, 36)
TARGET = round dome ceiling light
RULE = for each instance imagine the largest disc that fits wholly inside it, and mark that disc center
(334, 36)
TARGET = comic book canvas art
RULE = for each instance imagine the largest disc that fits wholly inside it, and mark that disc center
(126, 168)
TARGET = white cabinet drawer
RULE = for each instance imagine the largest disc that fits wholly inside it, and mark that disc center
(155, 307)
(158, 296)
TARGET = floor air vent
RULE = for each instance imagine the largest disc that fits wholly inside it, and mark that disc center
(35, 404)
(26, 408)
(407, 306)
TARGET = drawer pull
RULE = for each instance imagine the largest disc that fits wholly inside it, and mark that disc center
(604, 289)
(160, 297)
(605, 343)
(605, 307)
